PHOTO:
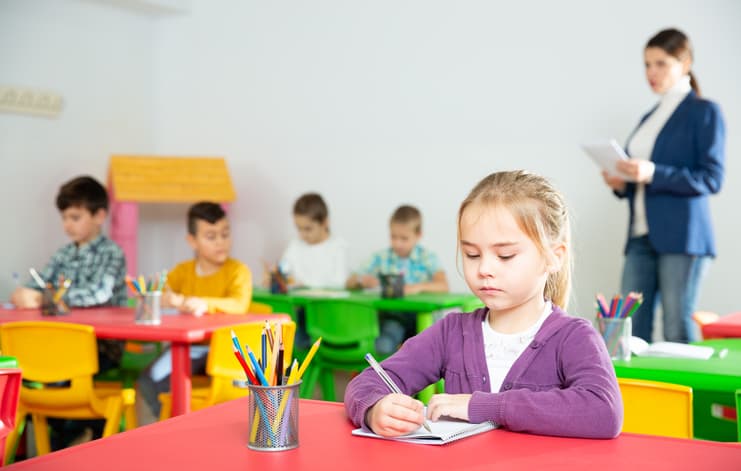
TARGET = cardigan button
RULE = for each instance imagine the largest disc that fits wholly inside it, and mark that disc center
(535, 344)
(507, 386)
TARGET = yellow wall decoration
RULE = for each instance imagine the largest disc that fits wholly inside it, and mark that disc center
(157, 179)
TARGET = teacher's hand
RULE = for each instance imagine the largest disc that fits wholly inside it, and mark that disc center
(640, 171)
(616, 183)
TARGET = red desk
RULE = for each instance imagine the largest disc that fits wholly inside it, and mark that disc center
(181, 330)
(725, 327)
(215, 438)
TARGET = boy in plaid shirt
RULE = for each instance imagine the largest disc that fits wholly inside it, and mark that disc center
(93, 262)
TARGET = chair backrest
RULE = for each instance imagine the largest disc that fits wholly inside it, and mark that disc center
(10, 384)
(348, 329)
(655, 408)
(259, 308)
(52, 352)
(704, 317)
(221, 361)
(48, 352)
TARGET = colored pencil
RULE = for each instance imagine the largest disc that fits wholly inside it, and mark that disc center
(309, 356)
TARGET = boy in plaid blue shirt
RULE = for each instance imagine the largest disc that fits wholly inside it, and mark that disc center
(97, 268)
(421, 269)
(94, 263)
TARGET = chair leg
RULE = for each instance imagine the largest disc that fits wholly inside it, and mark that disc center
(113, 412)
(326, 381)
(309, 382)
(130, 417)
(165, 406)
(14, 437)
(41, 430)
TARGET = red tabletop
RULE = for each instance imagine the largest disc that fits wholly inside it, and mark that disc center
(726, 326)
(179, 329)
(215, 438)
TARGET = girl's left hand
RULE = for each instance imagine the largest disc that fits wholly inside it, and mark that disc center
(640, 171)
(451, 405)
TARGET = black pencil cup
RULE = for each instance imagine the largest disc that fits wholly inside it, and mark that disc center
(392, 285)
(278, 282)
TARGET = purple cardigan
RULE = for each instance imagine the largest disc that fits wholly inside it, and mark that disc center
(564, 384)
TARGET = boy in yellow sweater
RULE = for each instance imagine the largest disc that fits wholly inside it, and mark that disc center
(212, 282)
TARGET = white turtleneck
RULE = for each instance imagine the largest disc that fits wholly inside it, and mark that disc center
(642, 144)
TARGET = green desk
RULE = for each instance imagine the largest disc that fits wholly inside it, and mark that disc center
(713, 381)
(423, 305)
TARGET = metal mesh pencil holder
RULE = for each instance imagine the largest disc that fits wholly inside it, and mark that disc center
(273, 417)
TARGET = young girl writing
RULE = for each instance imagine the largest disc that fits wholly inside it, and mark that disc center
(521, 361)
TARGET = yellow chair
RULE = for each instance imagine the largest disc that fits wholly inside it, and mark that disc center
(260, 308)
(62, 358)
(655, 408)
(222, 366)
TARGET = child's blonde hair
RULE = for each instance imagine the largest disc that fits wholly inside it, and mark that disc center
(541, 214)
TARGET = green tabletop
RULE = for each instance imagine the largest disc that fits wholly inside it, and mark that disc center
(721, 372)
(410, 303)
(422, 304)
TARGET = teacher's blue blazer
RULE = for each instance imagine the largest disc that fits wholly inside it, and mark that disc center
(689, 155)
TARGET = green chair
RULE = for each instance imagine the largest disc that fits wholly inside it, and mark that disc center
(135, 358)
(738, 413)
(284, 306)
(348, 331)
(8, 362)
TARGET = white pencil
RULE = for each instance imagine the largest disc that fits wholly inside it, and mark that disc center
(389, 382)
(35, 275)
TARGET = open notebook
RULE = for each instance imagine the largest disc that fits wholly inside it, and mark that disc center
(443, 431)
(641, 348)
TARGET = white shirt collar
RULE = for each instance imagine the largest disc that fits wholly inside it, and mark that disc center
(679, 90)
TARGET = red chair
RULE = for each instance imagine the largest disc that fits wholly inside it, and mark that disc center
(10, 385)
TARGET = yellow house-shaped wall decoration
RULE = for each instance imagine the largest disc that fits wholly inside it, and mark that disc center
(134, 179)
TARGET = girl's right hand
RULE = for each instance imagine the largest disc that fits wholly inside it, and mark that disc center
(394, 415)
(616, 183)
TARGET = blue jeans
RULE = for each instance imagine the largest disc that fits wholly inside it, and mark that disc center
(672, 279)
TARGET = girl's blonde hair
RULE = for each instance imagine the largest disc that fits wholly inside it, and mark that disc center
(541, 214)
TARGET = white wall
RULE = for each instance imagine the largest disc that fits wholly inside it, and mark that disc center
(378, 103)
(375, 104)
(99, 59)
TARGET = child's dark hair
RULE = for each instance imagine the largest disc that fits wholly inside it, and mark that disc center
(408, 215)
(204, 211)
(312, 206)
(84, 191)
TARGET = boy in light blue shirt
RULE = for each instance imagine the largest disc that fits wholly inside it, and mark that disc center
(420, 267)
